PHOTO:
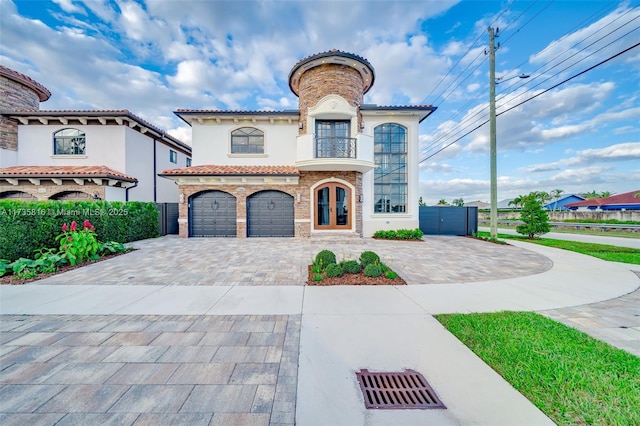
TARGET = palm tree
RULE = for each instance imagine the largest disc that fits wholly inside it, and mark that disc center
(518, 201)
(556, 194)
(443, 202)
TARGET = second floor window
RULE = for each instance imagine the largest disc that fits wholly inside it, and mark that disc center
(247, 140)
(69, 142)
(188, 162)
(173, 156)
(390, 175)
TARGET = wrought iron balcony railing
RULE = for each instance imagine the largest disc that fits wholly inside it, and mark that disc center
(335, 147)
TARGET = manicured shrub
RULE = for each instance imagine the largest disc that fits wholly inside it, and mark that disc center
(391, 275)
(318, 277)
(351, 267)
(325, 257)
(400, 234)
(372, 270)
(26, 226)
(368, 257)
(333, 270)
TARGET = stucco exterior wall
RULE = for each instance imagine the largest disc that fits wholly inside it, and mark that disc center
(212, 144)
(138, 159)
(104, 146)
(410, 220)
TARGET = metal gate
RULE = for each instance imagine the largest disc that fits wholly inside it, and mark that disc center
(212, 214)
(167, 218)
(270, 214)
(449, 220)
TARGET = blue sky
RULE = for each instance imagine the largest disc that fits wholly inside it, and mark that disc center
(153, 57)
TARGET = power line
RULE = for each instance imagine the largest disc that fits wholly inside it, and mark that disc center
(471, 120)
(533, 97)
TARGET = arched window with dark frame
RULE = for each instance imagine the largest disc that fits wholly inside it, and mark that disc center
(69, 142)
(247, 140)
(390, 175)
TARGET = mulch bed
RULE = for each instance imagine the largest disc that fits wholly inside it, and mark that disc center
(13, 280)
(354, 279)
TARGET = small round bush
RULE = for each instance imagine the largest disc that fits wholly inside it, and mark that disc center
(333, 270)
(372, 270)
(391, 275)
(368, 257)
(317, 277)
(351, 267)
(325, 257)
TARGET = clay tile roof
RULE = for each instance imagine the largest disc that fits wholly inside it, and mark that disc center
(626, 198)
(213, 170)
(43, 92)
(64, 171)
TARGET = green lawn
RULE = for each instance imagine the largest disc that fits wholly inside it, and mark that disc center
(610, 233)
(571, 377)
(601, 251)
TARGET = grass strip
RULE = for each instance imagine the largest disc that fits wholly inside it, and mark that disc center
(571, 377)
(601, 251)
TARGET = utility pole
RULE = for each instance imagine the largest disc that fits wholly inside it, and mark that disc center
(493, 215)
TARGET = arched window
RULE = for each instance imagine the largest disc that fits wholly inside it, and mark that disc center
(247, 140)
(69, 142)
(390, 175)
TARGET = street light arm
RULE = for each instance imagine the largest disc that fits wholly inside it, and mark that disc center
(502, 79)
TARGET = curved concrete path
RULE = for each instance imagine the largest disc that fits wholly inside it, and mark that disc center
(343, 329)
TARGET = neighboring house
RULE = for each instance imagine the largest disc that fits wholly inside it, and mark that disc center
(507, 204)
(109, 155)
(561, 203)
(626, 201)
(481, 205)
(335, 165)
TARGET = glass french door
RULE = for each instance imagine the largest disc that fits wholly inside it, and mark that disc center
(333, 205)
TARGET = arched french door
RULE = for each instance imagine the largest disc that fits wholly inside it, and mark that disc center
(332, 207)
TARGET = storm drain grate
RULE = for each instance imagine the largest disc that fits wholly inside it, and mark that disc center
(393, 391)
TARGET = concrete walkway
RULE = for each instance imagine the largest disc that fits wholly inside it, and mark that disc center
(584, 238)
(227, 354)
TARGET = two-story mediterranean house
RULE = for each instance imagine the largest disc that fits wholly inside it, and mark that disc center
(335, 165)
(56, 155)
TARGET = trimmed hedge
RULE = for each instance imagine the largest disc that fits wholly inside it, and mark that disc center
(26, 226)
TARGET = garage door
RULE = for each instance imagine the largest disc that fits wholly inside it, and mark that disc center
(212, 214)
(270, 214)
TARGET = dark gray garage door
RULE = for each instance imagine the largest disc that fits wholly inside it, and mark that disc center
(270, 214)
(212, 214)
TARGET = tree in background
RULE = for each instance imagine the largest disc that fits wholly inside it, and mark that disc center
(443, 202)
(421, 202)
(556, 195)
(594, 194)
(534, 217)
(517, 202)
(458, 202)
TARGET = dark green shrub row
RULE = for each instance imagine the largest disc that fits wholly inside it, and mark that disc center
(26, 226)
(400, 234)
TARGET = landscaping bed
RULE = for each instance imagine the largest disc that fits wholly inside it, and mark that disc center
(368, 270)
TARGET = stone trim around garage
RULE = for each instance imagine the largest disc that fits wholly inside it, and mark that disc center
(301, 194)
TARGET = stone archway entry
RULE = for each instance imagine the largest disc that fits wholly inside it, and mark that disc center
(332, 207)
(212, 214)
(17, 195)
(270, 214)
(72, 196)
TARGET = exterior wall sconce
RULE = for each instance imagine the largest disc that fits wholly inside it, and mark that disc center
(360, 198)
(300, 125)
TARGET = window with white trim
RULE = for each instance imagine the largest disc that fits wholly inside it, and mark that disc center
(390, 175)
(69, 142)
(173, 156)
(247, 140)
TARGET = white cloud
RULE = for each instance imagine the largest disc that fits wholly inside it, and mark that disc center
(68, 6)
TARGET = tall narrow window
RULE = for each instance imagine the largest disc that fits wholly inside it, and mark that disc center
(173, 156)
(390, 176)
(69, 142)
(188, 162)
(247, 140)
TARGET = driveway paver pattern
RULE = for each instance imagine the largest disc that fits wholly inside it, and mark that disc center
(283, 261)
(149, 370)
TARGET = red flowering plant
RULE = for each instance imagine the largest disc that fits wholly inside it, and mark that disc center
(78, 245)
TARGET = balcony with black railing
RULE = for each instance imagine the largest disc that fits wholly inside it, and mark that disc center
(335, 153)
(336, 147)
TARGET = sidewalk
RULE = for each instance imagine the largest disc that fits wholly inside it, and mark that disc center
(143, 354)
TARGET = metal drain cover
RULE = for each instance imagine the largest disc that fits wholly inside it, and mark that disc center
(394, 391)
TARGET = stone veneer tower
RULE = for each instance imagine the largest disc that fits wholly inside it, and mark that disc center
(18, 92)
(330, 73)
